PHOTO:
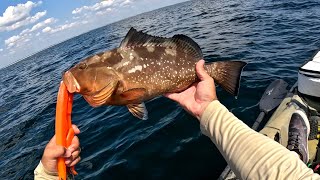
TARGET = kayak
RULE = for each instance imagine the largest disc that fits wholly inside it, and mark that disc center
(303, 95)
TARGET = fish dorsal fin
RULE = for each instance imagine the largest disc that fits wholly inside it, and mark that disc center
(189, 45)
(136, 38)
(138, 110)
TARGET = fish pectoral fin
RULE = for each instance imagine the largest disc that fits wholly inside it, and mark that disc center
(138, 110)
(133, 94)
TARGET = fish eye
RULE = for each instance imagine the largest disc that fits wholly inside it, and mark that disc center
(83, 66)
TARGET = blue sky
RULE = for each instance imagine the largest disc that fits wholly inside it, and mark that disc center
(27, 27)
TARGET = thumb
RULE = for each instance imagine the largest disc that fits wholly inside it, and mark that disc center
(58, 151)
(201, 72)
(173, 96)
(53, 152)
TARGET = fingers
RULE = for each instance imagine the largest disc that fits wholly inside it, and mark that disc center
(75, 129)
(201, 72)
(73, 152)
(73, 163)
(75, 144)
(74, 158)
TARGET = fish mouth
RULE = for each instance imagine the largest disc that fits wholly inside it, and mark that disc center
(71, 82)
(95, 99)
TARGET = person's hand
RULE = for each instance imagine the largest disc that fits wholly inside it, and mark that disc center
(196, 98)
(53, 151)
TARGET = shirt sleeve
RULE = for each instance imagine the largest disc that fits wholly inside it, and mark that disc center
(41, 173)
(250, 154)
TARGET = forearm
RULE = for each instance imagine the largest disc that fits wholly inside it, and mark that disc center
(250, 155)
(41, 173)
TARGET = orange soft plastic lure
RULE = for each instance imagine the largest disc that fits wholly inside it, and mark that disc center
(64, 131)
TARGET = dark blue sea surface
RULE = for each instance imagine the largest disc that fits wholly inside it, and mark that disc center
(274, 37)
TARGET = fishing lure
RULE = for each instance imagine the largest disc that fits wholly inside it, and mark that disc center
(63, 129)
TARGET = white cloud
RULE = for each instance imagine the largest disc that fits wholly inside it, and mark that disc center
(50, 20)
(39, 25)
(126, 2)
(26, 40)
(36, 27)
(84, 22)
(17, 16)
(63, 27)
(16, 13)
(76, 17)
(49, 29)
(101, 9)
(95, 7)
(25, 35)
(104, 12)
(42, 24)
(28, 20)
(25, 31)
(1, 50)
(12, 40)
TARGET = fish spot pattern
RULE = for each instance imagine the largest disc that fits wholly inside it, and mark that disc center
(157, 69)
(172, 52)
(150, 48)
(136, 68)
(131, 56)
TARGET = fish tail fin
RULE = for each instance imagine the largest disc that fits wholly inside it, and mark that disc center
(227, 74)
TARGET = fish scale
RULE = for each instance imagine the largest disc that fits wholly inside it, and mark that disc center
(160, 62)
(144, 67)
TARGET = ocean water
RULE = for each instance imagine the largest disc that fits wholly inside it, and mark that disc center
(274, 37)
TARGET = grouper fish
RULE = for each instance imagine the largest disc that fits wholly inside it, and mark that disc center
(143, 67)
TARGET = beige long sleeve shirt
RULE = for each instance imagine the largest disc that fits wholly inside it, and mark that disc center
(250, 155)
(41, 173)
